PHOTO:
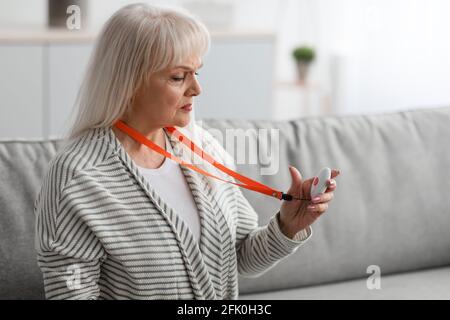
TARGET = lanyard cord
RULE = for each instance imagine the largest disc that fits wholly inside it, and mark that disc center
(247, 182)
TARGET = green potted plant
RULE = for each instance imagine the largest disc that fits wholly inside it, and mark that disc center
(304, 56)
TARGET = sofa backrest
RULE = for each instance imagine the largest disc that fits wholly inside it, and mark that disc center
(390, 207)
(22, 167)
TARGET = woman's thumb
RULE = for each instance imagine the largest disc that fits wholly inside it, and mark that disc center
(296, 181)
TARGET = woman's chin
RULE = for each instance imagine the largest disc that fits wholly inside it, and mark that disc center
(182, 122)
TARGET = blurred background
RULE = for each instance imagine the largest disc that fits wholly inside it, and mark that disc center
(269, 59)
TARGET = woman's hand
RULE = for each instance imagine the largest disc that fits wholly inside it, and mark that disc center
(296, 215)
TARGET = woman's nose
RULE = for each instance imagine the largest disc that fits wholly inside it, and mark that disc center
(195, 89)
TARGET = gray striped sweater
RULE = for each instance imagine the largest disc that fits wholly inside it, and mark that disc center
(102, 232)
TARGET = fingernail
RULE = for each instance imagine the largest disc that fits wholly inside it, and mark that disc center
(316, 199)
(315, 181)
(311, 207)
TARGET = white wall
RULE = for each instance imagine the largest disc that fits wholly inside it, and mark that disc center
(386, 55)
(22, 13)
(394, 53)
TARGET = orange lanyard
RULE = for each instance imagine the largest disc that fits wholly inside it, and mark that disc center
(247, 182)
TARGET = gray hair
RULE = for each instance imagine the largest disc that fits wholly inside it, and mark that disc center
(136, 41)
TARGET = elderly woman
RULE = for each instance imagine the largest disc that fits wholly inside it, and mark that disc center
(118, 220)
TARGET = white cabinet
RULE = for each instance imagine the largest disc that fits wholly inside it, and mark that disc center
(21, 91)
(293, 100)
(67, 64)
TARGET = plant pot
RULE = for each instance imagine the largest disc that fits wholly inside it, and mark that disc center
(302, 71)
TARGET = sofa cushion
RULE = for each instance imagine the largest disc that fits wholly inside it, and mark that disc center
(426, 284)
(22, 167)
(390, 207)
(370, 221)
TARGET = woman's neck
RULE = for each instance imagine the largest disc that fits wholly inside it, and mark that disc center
(141, 154)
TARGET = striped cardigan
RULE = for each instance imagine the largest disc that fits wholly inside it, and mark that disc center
(102, 232)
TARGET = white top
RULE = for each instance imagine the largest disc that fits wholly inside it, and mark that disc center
(171, 185)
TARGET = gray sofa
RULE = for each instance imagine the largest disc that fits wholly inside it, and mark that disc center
(391, 211)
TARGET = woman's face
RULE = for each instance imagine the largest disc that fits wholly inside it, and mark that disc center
(160, 103)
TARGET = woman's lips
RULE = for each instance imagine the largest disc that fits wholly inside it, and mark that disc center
(187, 107)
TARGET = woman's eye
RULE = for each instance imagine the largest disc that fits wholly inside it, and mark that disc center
(181, 78)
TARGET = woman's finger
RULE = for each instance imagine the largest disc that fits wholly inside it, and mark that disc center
(335, 173)
(331, 185)
(317, 207)
(316, 215)
(331, 182)
(296, 183)
(326, 197)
